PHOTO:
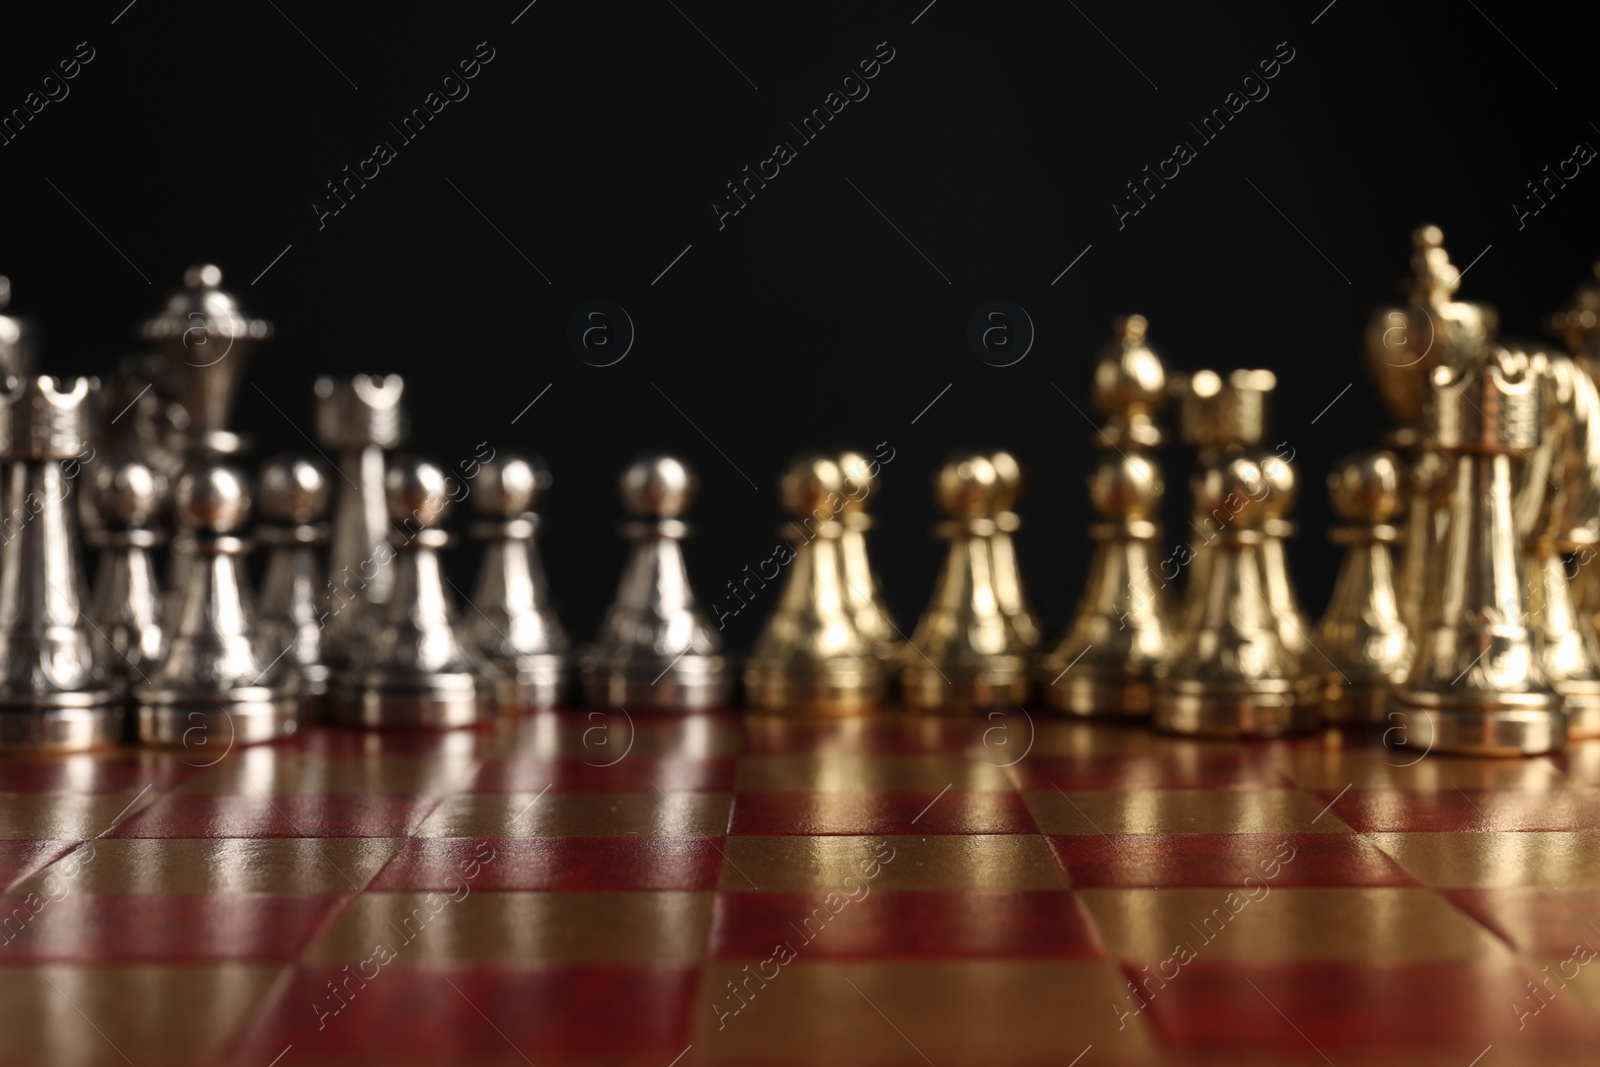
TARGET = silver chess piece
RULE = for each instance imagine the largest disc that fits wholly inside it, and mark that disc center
(417, 666)
(53, 690)
(128, 499)
(213, 687)
(359, 419)
(656, 647)
(207, 339)
(292, 606)
(514, 624)
(17, 339)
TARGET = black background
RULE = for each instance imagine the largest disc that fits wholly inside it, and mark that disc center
(597, 137)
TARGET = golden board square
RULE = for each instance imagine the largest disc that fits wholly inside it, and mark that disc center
(1181, 811)
(959, 862)
(221, 865)
(580, 815)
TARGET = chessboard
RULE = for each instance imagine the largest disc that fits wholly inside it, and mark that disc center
(600, 887)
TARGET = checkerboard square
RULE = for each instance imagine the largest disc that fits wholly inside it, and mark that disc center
(1181, 811)
(340, 815)
(1542, 922)
(758, 814)
(1176, 861)
(889, 925)
(580, 815)
(567, 1014)
(120, 928)
(1166, 771)
(1453, 810)
(632, 774)
(572, 864)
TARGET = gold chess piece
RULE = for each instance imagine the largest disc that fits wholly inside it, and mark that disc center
(863, 590)
(1404, 344)
(1232, 675)
(1476, 685)
(1013, 596)
(1571, 649)
(1294, 627)
(1362, 633)
(966, 653)
(1121, 634)
(811, 657)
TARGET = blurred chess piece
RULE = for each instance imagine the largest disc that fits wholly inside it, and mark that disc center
(359, 419)
(862, 589)
(213, 688)
(1568, 525)
(1476, 685)
(128, 498)
(656, 648)
(1013, 595)
(966, 653)
(292, 606)
(1294, 626)
(514, 624)
(1404, 345)
(54, 694)
(18, 340)
(1121, 634)
(811, 658)
(141, 416)
(1231, 675)
(207, 339)
(1362, 633)
(417, 666)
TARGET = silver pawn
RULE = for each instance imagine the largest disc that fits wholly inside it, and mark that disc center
(17, 339)
(417, 666)
(214, 688)
(656, 647)
(514, 624)
(53, 691)
(292, 603)
(359, 419)
(128, 498)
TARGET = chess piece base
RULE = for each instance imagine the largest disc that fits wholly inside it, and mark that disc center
(439, 701)
(1513, 724)
(826, 689)
(1356, 704)
(53, 730)
(536, 681)
(1581, 701)
(961, 690)
(1110, 694)
(690, 683)
(246, 715)
(1268, 708)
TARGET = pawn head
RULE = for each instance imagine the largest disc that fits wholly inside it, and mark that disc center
(1229, 491)
(813, 486)
(417, 492)
(213, 498)
(1126, 486)
(125, 492)
(967, 486)
(658, 487)
(1366, 487)
(510, 485)
(293, 489)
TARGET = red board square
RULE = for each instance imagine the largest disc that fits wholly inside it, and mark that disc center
(1536, 921)
(97, 773)
(342, 743)
(631, 774)
(113, 928)
(902, 925)
(395, 1014)
(1449, 1009)
(256, 815)
(1179, 861)
(767, 814)
(1454, 810)
(573, 864)
(1234, 770)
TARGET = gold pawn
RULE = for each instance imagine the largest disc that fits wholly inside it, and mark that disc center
(1232, 676)
(1294, 626)
(966, 653)
(1476, 685)
(863, 591)
(1013, 596)
(1363, 634)
(811, 658)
